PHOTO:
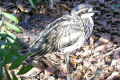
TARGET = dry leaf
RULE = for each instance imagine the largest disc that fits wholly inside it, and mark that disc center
(104, 38)
(64, 7)
(21, 7)
(61, 78)
(78, 75)
(115, 19)
(104, 23)
(92, 37)
(49, 71)
(38, 65)
(116, 55)
(117, 39)
(48, 63)
(51, 78)
(113, 76)
(103, 47)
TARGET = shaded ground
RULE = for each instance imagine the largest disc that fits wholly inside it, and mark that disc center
(99, 59)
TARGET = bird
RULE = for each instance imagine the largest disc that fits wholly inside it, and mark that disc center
(65, 34)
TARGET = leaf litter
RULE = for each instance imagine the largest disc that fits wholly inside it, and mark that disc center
(99, 59)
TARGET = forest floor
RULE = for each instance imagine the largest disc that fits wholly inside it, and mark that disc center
(99, 59)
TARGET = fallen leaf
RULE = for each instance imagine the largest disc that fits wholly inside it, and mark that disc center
(116, 55)
(38, 65)
(113, 76)
(49, 71)
(51, 78)
(78, 75)
(64, 7)
(92, 37)
(48, 63)
(103, 47)
(104, 23)
(20, 7)
(115, 19)
(61, 78)
(104, 38)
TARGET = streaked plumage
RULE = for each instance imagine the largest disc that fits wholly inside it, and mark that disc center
(66, 33)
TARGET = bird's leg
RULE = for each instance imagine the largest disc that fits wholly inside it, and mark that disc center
(67, 64)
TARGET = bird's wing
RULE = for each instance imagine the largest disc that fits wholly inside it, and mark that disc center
(43, 34)
(65, 32)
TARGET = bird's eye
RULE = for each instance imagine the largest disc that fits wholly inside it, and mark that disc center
(84, 11)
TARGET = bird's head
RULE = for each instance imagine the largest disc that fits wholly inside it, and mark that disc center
(83, 11)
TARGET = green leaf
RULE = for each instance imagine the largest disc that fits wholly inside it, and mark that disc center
(1, 70)
(1, 77)
(31, 2)
(3, 43)
(13, 27)
(8, 58)
(3, 51)
(25, 69)
(2, 32)
(14, 76)
(18, 62)
(8, 76)
(16, 44)
(10, 40)
(10, 34)
(21, 78)
(4, 35)
(10, 16)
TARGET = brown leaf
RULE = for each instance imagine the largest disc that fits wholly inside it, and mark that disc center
(104, 38)
(57, 14)
(55, 58)
(62, 57)
(38, 65)
(48, 63)
(63, 68)
(49, 71)
(117, 39)
(64, 7)
(92, 37)
(51, 78)
(115, 19)
(116, 55)
(78, 75)
(113, 76)
(61, 74)
(86, 63)
(61, 78)
(21, 7)
(104, 23)
(73, 62)
(103, 47)
(100, 48)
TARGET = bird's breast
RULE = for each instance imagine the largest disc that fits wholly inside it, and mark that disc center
(68, 40)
